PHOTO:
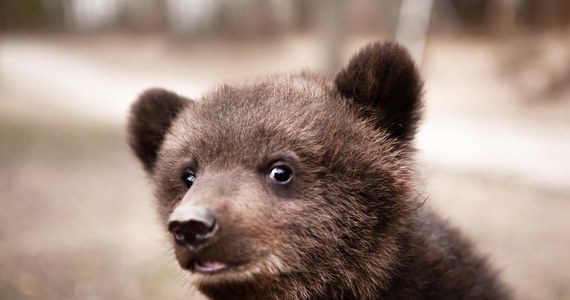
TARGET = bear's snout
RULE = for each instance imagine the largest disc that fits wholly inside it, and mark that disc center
(192, 226)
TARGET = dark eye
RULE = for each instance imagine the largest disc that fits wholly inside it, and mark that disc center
(281, 174)
(188, 178)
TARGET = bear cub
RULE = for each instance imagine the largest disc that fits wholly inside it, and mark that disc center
(300, 187)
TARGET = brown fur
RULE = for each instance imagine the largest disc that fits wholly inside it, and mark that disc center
(349, 225)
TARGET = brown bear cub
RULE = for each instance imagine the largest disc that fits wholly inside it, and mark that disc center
(298, 187)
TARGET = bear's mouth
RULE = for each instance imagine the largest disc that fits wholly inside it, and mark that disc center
(207, 266)
(213, 265)
(208, 261)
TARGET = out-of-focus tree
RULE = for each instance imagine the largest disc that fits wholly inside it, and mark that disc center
(89, 15)
(258, 18)
(143, 15)
(30, 14)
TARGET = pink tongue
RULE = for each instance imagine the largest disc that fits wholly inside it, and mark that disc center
(209, 266)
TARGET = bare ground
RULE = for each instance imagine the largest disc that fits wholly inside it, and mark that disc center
(77, 220)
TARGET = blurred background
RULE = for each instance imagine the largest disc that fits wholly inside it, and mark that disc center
(77, 219)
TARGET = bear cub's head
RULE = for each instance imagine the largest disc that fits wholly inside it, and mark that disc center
(293, 186)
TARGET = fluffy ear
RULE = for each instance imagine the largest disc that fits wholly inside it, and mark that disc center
(150, 117)
(383, 79)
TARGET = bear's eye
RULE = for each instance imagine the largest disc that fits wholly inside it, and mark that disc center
(188, 177)
(281, 174)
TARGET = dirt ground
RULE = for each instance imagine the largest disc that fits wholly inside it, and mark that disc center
(77, 219)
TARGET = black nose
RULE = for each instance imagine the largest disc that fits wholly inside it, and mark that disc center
(192, 226)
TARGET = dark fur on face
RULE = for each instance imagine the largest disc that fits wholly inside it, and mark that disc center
(347, 225)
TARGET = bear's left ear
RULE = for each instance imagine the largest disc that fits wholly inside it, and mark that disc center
(382, 77)
(150, 119)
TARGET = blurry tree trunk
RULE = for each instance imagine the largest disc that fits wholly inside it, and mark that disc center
(143, 15)
(387, 13)
(191, 18)
(90, 16)
(21, 14)
(334, 31)
(501, 17)
(413, 25)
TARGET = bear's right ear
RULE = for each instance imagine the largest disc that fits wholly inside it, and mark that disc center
(150, 118)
